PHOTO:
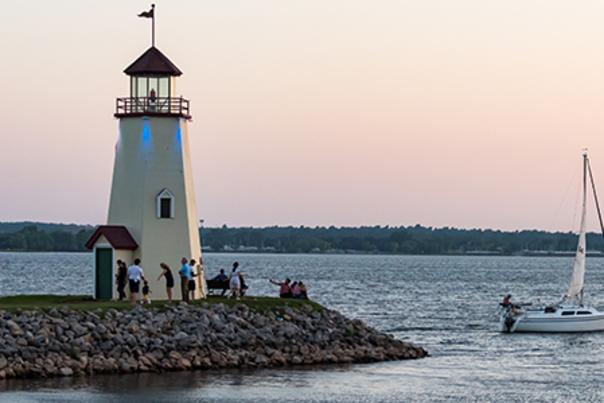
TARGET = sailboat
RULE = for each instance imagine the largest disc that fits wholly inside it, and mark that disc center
(570, 314)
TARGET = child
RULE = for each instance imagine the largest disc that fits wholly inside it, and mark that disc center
(146, 292)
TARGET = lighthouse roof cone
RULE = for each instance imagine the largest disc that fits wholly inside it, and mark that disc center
(153, 62)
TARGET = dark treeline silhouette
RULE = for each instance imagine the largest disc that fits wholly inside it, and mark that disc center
(390, 240)
(387, 240)
(8, 227)
(31, 238)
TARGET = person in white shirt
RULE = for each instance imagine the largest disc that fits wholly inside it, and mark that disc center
(135, 275)
(235, 281)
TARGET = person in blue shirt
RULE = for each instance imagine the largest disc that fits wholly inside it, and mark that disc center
(185, 276)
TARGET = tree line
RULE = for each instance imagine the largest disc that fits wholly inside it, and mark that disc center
(33, 239)
(377, 239)
(392, 240)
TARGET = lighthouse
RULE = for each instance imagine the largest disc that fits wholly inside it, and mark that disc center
(152, 212)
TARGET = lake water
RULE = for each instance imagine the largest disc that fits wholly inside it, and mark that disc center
(445, 304)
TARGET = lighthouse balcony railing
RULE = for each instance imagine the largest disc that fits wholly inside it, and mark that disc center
(138, 106)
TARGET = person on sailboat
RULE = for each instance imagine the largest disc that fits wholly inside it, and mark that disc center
(507, 301)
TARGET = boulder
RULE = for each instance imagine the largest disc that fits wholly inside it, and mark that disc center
(72, 343)
(65, 371)
(14, 328)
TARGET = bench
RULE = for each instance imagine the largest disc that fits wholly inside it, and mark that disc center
(217, 285)
(214, 285)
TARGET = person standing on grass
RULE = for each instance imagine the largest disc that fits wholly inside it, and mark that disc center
(235, 281)
(121, 278)
(192, 281)
(167, 274)
(135, 275)
(185, 275)
(146, 293)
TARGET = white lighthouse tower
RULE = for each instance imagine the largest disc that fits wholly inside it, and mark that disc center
(152, 211)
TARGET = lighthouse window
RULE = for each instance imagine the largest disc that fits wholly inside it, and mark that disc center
(165, 208)
(141, 87)
(164, 87)
(153, 85)
(165, 204)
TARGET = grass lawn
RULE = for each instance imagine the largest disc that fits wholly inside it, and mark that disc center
(80, 302)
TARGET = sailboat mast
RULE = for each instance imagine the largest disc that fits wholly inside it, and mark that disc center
(585, 168)
(583, 232)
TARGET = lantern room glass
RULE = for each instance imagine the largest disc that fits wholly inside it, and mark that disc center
(154, 94)
(164, 87)
(141, 86)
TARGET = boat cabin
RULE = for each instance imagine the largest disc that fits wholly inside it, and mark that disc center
(567, 310)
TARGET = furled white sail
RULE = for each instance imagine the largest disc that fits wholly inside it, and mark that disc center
(575, 289)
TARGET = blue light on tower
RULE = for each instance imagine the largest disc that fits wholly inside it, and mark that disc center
(178, 137)
(146, 135)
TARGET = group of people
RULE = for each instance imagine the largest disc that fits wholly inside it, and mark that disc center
(134, 275)
(236, 281)
(131, 275)
(189, 271)
(287, 289)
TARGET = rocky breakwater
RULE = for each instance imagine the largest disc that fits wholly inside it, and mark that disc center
(65, 342)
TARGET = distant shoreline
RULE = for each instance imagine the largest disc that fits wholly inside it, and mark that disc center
(359, 253)
(414, 240)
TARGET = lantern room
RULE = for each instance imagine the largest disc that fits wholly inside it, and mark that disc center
(152, 88)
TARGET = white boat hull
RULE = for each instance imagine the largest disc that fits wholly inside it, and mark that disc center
(538, 321)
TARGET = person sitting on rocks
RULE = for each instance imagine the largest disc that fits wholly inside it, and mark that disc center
(285, 290)
(303, 294)
(295, 288)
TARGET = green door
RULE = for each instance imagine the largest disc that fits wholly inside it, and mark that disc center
(104, 277)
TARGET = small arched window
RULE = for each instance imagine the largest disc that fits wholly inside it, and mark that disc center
(165, 204)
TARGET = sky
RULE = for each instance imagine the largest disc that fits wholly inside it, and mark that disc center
(466, 113)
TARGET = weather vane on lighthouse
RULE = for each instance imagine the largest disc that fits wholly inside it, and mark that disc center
(150, 14)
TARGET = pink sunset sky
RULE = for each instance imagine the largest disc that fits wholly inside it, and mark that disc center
(467, 113)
